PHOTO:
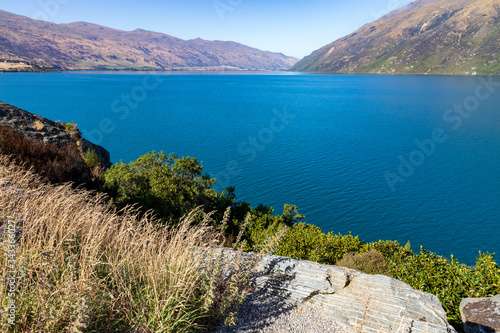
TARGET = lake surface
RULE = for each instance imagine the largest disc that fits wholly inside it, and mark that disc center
(409, 158)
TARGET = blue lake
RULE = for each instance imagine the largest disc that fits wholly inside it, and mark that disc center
(408, 158)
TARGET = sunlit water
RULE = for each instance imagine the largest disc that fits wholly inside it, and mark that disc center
(386, 157)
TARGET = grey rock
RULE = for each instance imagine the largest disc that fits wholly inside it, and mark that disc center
(37, 127)
(360, 302)
(481, 315)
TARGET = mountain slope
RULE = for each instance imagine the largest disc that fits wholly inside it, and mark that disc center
(80, 46)
(427, 36)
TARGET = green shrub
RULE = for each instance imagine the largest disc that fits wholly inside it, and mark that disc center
(168, 185)
(371, 262)
(449, 280)
(263, 225)
(391, 250)
(337, 246)
(307, 241)
(92, 160)
(303, 241)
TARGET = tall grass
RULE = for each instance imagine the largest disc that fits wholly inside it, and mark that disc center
(82, 267)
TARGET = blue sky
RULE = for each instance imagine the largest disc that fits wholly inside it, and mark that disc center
(293, 27)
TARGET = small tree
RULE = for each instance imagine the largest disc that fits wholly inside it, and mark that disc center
(168, 185)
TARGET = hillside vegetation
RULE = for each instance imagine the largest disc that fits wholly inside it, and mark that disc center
(43, 46)
(425, 37)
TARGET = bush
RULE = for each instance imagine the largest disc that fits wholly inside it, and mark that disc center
(308, 242)
(171, 187)
(303, 241)
(337, 246)
(371, 262)
(94, 163)
(263, 225)
(168, 185)
(92, 160)
(449, 280)
(391, 250)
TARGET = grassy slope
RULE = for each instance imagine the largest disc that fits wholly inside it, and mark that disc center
(80, 266)
(454, 37)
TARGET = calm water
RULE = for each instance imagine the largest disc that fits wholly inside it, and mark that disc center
(386, 157)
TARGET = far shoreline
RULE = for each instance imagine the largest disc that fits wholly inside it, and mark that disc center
(240, 72)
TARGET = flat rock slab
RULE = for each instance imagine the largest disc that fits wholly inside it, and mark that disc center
(360, 302)
(481, 315)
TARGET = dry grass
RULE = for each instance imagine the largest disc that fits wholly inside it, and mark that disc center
(81, 267)
(37, 124)
(14, 66)
(57, 164)
(371, 262)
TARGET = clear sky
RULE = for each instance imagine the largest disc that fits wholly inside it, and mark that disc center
(293, 27)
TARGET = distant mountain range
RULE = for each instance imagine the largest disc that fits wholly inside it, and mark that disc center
(27, 44)
(425, 37)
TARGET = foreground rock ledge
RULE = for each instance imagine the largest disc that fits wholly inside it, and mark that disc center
(358, 301)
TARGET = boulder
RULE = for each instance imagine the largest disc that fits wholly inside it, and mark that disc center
(37, 127)
(481, 315)
(358, 301)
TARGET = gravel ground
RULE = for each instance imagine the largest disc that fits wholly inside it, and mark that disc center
(262, 312)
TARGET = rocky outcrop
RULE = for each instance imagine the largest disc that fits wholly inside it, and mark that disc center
(37, 127)
(358, 301)
(481, 315)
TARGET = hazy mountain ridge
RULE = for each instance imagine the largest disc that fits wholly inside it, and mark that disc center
(86, 46)
(427, 36)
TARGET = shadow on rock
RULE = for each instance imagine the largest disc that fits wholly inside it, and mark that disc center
(268, 301)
